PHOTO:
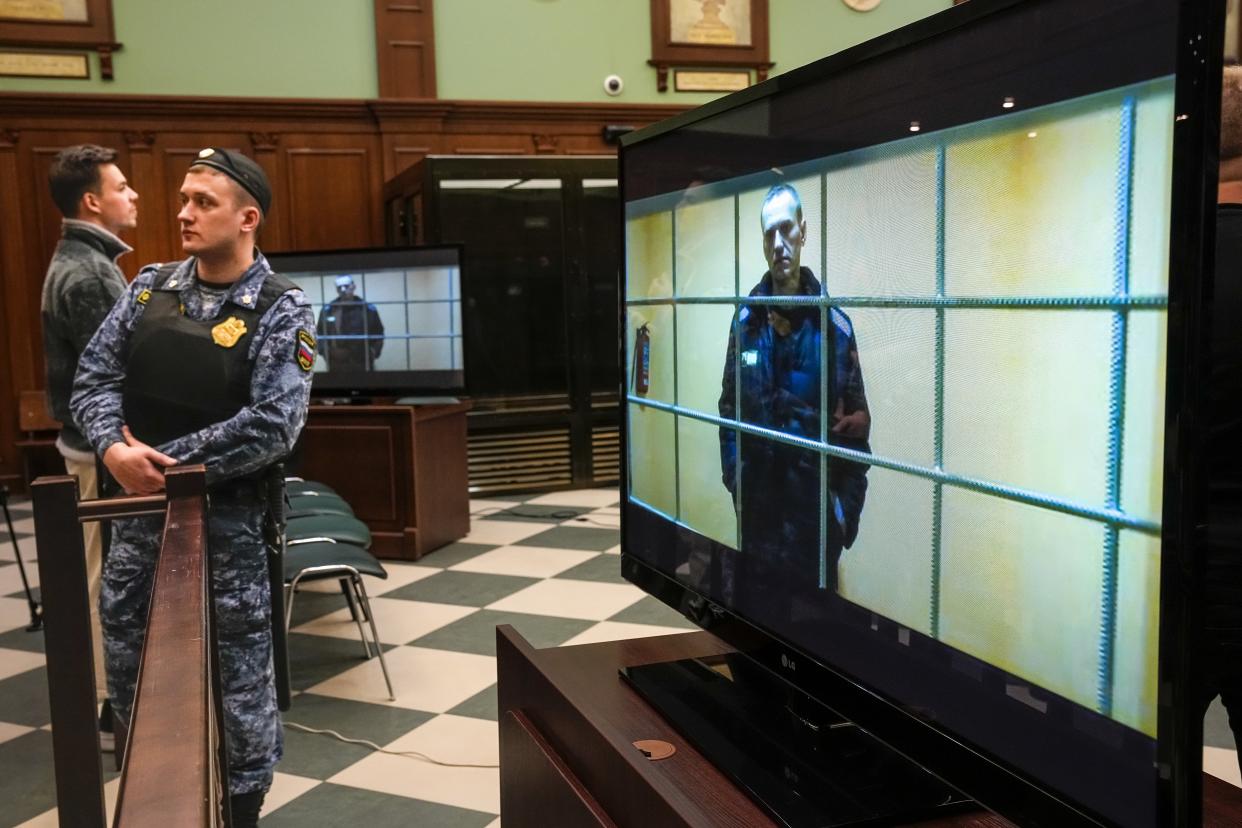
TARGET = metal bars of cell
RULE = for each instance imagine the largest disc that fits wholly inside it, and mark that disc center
(1116, 404)
(1119, 303)
(453, 301)
(938, 405)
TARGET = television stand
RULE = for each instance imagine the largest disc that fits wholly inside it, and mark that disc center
(805, 764)
(568, 723)
(402, 468)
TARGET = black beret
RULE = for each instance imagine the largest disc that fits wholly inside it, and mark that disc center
(242, 169)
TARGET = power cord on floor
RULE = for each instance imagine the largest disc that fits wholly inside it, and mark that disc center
(562, 515)
(409, 754)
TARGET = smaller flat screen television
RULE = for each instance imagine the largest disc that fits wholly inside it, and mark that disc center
(387, 320)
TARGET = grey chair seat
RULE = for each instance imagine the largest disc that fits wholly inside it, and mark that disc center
(339, 528)
(318, 504)
(321, 554)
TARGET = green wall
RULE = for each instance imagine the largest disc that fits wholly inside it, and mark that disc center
(554, 50)
(261, 48)
(561, 50)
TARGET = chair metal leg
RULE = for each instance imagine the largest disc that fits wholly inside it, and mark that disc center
(366, 605)
(366, 616)
(293, 591)
(348, 592)
(356, 612)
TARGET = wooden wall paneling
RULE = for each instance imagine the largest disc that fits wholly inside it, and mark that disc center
(41, 233)
(327, 160)
(405, 48)
(47, 217)
(149, 238)
(331, 192)
(265, 149)
(12, 267)
(399, 157)
(359, 459)
(491, 145)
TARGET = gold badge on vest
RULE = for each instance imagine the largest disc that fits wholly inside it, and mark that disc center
(228, 332)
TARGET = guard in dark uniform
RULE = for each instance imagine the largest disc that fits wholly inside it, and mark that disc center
(208, 361)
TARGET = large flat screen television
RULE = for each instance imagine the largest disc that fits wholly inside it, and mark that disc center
(387, 320)
(913, 339)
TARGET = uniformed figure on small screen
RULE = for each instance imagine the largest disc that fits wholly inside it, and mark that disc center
(350, 331)
(776, 359)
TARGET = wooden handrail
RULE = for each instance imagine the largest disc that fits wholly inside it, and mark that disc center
(175, 770)
(171, 774)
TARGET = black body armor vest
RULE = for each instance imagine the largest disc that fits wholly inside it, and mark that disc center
(182, 375)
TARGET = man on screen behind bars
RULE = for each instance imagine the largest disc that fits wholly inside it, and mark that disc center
(350, 331)
(779, 353)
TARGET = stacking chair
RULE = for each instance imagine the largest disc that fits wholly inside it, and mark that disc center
(336, 528)
(312, 560)
(309, 549)
(318, 504)
(296, 486)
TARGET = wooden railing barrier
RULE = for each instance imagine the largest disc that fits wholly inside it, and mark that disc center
(174, 770)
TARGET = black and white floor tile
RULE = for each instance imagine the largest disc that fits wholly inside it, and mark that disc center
(546, 564)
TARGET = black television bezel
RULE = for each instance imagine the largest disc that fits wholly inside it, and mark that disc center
(1191, 259)
(377, 383)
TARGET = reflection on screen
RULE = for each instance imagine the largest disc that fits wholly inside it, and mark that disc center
(927, 377)
(386, 320)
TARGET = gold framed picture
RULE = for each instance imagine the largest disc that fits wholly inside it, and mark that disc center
(710, 34)
(55, 24)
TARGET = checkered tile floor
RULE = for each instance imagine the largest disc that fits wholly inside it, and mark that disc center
(546, 564)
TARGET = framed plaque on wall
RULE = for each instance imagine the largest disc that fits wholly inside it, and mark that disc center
(53, 24)
(709, 33)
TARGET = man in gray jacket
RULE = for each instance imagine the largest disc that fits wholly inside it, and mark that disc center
(82, 284)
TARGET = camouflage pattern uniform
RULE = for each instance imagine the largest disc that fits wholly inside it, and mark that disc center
(233, 450)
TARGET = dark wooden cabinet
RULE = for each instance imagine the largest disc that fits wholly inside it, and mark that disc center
(401, 467)
(567, 727)
(542, 251)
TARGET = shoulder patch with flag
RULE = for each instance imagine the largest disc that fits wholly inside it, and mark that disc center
(305, 350)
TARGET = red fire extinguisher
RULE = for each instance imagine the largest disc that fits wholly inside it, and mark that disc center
(642, 360)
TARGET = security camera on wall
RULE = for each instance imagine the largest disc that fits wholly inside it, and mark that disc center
(613, 85)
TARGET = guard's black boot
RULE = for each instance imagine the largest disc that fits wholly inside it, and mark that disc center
(245, 808)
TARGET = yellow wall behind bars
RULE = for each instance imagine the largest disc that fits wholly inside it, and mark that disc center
(649, 257)
(881, 220)
(888, 569)
(1034, 215)
(705, 248)
(1020, 589)
(889, 566)
(1138, 631)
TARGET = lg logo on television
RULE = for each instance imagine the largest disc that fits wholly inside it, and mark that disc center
(788, 663)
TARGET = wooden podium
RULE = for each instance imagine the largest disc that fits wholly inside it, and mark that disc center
(401, 467)
(567, 727)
